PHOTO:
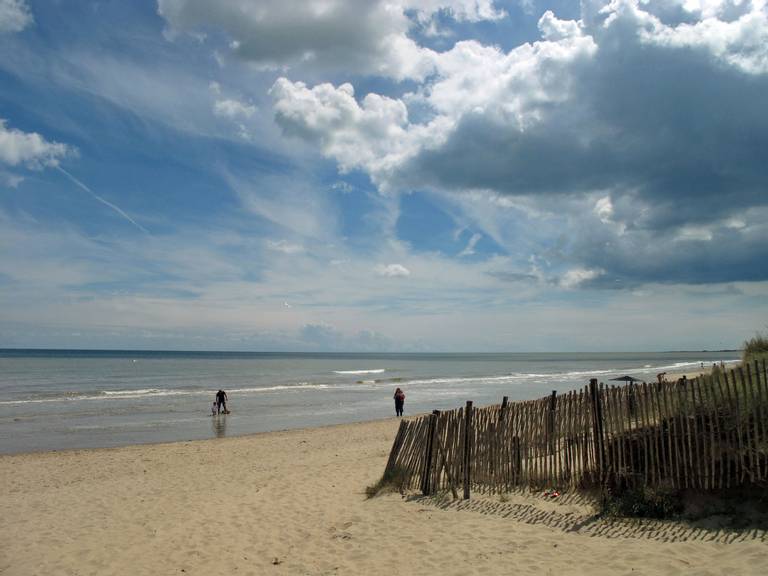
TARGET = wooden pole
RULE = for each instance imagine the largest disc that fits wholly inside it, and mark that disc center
(426, 486)
(504, 406)
(467, 447)
(597, 427)
(551, 417)
(503, 446)
(552, 437)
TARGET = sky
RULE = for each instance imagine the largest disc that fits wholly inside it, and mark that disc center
(383, 175)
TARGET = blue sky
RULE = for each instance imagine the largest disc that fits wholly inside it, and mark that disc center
(360, 175)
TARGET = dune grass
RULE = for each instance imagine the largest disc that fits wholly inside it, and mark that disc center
(392, 481)
(756, 348)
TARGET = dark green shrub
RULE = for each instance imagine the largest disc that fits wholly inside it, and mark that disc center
(644, 502)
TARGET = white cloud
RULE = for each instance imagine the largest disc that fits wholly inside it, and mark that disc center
(151, 92)
(552, 28)
(29, 149)
(469, 249)
(297, 207)
(392, 270)
(527, 6)
(15, 15)
(366, 36)
(116, 291)
(613, 133)
(233, 109)
(374, 134)
(694, 233)
(741, 42)
(575, 277)
(10, 179)
(512, 90)
(284, 246)
(604, 209)
(460, 10)
(484, 99)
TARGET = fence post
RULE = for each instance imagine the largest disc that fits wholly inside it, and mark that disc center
(597, 426)
(426, 484)
(503, 411)
(467, 446)
(551, 420)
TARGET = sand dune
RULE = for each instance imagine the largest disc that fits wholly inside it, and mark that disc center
(293, 503)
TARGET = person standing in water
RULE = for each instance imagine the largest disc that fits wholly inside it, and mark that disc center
(221, 400)
(399, 402)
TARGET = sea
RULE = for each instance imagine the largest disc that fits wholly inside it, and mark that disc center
(75, 399)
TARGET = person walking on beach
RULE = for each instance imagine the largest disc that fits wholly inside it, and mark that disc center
(399, 402)
(221, 400)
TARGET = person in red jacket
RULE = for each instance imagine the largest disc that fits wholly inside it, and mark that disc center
(399, 401)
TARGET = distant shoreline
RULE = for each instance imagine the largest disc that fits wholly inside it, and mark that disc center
(129, 351)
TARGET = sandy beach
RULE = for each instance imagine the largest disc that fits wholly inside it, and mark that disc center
(294, 503)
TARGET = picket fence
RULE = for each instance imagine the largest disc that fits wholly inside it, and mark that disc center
(706, 433)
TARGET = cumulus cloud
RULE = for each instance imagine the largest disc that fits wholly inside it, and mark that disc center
(647, 115)
(368, 36)
(474, 84)
(15, 15)
(392, 271)
(30, 149)
(374, 134)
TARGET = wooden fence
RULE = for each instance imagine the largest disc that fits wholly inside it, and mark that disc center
(706, 433)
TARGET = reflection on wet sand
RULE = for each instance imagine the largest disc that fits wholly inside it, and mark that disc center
(219, 423)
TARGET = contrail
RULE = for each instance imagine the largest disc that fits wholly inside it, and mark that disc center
(100, 199)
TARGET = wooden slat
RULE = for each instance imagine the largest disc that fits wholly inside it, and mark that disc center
(730, 382)
(701, 437)
(752, 416)
(762, 398)
(662, 446)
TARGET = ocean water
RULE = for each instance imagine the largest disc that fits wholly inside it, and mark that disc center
(52, 400)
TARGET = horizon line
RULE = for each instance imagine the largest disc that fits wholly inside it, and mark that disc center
(180, 351)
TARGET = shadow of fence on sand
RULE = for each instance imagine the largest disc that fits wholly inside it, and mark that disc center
(601, 527)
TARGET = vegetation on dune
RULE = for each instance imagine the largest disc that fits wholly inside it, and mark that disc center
(644, 502)
(394, 480)
(756, 348)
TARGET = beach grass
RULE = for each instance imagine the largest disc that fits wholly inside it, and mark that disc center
(756, 348)
(393, 480)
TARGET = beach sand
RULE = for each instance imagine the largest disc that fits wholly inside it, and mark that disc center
(294, 503)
